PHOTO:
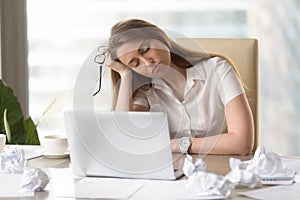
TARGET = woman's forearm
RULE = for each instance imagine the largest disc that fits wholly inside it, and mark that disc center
(124, 101)
(226, 143)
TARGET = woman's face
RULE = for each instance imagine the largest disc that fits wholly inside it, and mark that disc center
(150, 57)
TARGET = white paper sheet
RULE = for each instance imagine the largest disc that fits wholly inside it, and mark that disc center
(290, 192)
(68, 186)
(156, 189)
(62, 180)
(10, 186)
(108, 188)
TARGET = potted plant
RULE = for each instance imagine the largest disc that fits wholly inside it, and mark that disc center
(12, 123)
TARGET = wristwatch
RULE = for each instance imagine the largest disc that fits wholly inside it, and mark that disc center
(184, 144)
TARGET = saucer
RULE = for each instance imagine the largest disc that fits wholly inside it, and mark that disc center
(51, 155)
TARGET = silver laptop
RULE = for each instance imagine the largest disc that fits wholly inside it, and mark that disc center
(120, 144)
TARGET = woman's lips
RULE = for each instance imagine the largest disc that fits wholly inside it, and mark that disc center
(155, 68)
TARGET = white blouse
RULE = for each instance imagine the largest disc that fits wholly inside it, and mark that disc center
(210, 85)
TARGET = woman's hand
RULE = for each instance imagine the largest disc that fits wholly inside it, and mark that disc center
(117, 66)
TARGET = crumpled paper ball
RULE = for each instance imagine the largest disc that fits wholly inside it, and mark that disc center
(189, 168)
(263, 164)
(12, 160)
(266, 164)
(203, 183)
(34, 179)
(239, 176)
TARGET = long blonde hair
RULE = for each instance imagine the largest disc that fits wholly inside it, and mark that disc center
(133, 29)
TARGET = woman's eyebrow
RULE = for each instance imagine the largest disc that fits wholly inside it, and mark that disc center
(142, 44)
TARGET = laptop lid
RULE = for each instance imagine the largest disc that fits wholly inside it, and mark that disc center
(120, 144)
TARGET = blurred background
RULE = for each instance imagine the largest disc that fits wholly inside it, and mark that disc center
(62, 33)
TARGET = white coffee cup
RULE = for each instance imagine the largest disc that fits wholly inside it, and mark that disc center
(2, 142)
(55, 144)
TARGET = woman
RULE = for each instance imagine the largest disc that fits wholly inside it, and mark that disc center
(200, 92)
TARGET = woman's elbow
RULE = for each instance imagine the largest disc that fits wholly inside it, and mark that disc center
(245, 150)
(246, 144)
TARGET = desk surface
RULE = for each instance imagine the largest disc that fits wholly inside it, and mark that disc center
(218, 164)
(215, 163)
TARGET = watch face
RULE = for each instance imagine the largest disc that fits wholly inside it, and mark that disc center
(185, 143)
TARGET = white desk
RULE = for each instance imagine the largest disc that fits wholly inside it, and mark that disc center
(152, 190)
(62, 180)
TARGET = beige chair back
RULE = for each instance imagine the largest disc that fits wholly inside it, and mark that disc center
(244, 53)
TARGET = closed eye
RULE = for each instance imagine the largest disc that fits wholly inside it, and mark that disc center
(144, 48)
(133, 63)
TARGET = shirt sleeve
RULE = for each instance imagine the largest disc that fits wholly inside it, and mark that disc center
(231, 85)
(140, 98)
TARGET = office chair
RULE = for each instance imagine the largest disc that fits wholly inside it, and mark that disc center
(244, 53)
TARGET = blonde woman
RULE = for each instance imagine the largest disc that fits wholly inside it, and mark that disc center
(201, 93)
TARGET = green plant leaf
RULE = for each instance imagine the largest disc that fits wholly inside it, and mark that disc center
(6, 126)
(31, 135)
(14, 116)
